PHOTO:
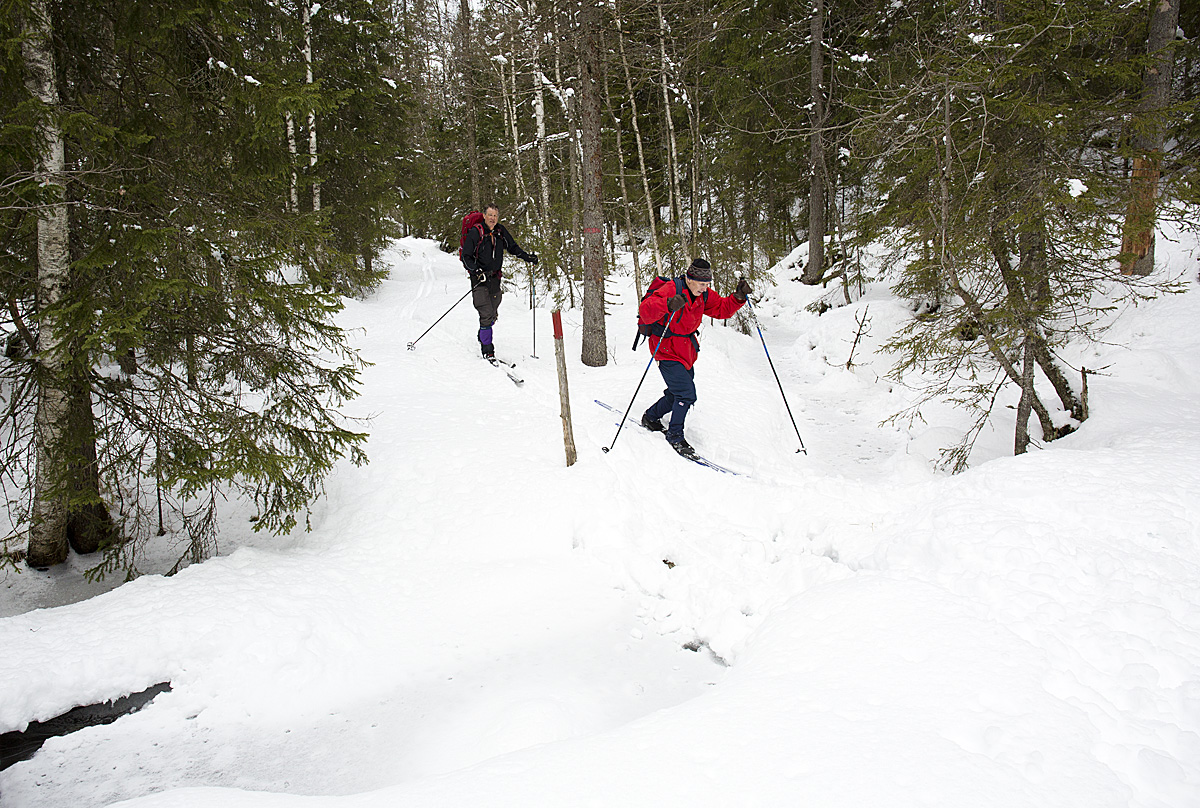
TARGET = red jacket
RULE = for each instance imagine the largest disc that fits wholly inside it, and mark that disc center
(683, 348)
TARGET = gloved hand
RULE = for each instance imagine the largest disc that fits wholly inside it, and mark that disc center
(477, 276)
(675, 303)
(532, 258)
(743, 290)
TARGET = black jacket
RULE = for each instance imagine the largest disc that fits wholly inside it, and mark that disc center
(486, 253)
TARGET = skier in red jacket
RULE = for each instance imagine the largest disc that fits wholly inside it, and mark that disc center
(685, 305)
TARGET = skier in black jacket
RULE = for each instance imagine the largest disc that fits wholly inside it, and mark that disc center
(482, 255)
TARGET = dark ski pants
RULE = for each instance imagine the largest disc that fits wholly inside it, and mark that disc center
(678, 398)
(486, 300)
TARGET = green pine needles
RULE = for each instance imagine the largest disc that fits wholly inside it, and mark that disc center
(217, 215)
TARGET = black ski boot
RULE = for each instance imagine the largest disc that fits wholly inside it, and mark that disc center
(653, 424)
(489, 350)
(681, 446)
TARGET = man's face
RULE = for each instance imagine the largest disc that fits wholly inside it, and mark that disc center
(697, 287)
(491, 216)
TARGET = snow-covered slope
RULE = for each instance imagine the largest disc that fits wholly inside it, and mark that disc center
(472, 623)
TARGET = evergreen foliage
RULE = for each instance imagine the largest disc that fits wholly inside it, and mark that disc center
(989, 143)
(200, 309)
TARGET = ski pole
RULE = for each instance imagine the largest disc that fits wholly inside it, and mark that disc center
(412, 346)
(653, 356)
(772, 364)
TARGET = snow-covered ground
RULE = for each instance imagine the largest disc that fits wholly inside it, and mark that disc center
(472, 623)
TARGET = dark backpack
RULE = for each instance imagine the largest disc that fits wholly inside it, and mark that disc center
(658, 328)
(472, 219)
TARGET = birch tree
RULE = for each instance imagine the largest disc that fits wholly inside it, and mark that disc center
(48, 528)
(815, 270)
(307, 10)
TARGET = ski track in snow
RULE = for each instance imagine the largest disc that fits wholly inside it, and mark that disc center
(492, 628)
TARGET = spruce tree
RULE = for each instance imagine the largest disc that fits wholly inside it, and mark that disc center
(1000, 173)
(203, 359)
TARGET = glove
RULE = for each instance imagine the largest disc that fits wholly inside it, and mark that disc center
(532, 258)
(477, 276)
(675, 303)
(743, 290)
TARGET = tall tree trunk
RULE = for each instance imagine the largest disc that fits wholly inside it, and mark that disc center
(48, 531)
(306, 6)
(1137, 242)
(815, 271)
(89, 525)
(539, 108)
(595, 346)
(290, 122)
(694, 121)
(510, 100)
(575, 237)
(637, 135)
(1021, 436)
(629, 234)
(464, 21)
(675, 201)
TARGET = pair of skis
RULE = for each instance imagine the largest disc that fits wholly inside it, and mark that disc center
(509, 369)
(695, 458)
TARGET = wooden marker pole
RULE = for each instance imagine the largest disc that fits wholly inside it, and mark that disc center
(564, 396)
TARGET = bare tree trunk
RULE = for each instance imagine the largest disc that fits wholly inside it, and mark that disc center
(1137, 242)
(510, 101)
(289, 119)
(815, 271)
(595, 346)
(294, 196)
(539, 108)
(676, 202)
(464, 21)
(48, 531)
(694, 120)
(633, 247)
(306, 7)
(637, 134)
(1021, 437)
(576, 265)
(89, 525)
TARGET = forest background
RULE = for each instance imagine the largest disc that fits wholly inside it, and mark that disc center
(190, 190)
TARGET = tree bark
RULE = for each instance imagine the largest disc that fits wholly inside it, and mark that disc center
(637, 135)
(306, 7)
(946, 261)
(89, 525)
(1021, 436)
(293, 202)
(1024, 304)
(510, 104)
(1137, 242)
(539, 108)
(464, 21)
(595, 347)
(676, 203)
(694, 121)
(815, 271)
(573, 190)
(629, 234)
(48, 530)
